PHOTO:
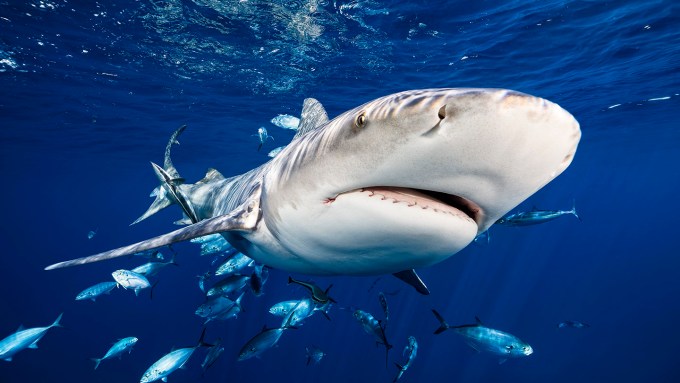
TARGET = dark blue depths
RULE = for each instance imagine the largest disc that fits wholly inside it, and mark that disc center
(90, 93)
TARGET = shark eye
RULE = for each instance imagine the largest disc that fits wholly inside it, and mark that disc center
(442, 112)
(360, 120)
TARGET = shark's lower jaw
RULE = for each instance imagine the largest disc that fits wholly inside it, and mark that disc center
(375, 230)
(428, 200)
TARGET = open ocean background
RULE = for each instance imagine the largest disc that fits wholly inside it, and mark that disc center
(91, 91)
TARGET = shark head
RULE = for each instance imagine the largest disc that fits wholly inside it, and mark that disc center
(409, 179)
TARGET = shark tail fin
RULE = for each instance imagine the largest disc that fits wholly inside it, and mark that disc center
(170, 180)
(96, 362)
(443, 326)
(573, 210)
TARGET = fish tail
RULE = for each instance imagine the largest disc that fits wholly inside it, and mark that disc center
(56, 322)
(387, 353)
(168, 193)
(201, 342)
(96, 362)
(443, 326)
(573, 210)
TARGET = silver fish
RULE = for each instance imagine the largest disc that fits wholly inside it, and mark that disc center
(535, 217)
(410, 352)
(314, 354)
(131, 280)
(23, 339)
(117, 349)
(373, 327)
(228, 285)
(483, 338)
(95, 291)
(171, 362)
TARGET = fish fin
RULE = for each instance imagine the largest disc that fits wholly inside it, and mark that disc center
(400, 367)
(56, 321)
(167, 161)
(33, 345)
(151, 290)
(211, 175)
(244, 218)
(21, 327)
(325, 314)
(171, 186)
(411, 278)
(313, 115)
(96, 362)
(259, 147)
(443, 326)
(479, 321)
(160, 203)
(573, 210)
(136, 292)
(502, 360)
(165, 379)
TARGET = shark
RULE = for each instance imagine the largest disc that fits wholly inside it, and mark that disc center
(401, 182)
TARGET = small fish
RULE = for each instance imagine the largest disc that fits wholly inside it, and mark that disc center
(171, 362)
(95, 291)
(234, 264)
(535, 216)
(150, 254)
(483, 338)
(131, 280)
(483, 238)
(91, 234)
(410, 352)
(258, 278)
(117, 349)
(261, 342)
(231, 311)
(262, 135)
(573, 324)
(286, 121)
(303, 310)
(373, 327)
(214, 353)
(314, 354)
(207, 238)
(24, 338)
(228, 285)
(150, 269)
(215, 246)
(274, 152)
(283, 308)
(383, 304)
(202, 279)
(318, 295)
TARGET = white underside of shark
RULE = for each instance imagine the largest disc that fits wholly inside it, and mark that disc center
(401, 182)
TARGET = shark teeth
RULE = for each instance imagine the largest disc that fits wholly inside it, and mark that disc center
(412, 198)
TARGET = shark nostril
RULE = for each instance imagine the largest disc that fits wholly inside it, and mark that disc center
(442, 112)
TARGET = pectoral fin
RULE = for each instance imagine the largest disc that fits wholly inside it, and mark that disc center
(244, 218)
(411, 278)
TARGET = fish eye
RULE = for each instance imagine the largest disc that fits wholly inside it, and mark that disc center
(360, 120)
(442, 112)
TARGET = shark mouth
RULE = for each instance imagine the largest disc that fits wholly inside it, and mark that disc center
(424, 199)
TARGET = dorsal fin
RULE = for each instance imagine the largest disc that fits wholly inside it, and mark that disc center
(211, 175)
(313, 115)
(167, 162)
(479, 321)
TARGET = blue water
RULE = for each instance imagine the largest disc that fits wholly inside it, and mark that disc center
(90, 93)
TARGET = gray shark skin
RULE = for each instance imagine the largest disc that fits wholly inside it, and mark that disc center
(401, 182)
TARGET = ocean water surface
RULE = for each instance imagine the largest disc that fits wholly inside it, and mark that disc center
(91, 91)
